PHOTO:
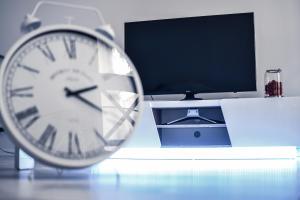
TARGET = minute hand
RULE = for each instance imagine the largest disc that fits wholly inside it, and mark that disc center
(84, 100)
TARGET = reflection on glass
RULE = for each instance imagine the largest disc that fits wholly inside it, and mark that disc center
(119, 63)
(118, 92)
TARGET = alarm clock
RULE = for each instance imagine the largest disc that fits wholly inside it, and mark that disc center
(70, 97)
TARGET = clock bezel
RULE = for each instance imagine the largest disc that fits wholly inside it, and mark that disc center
(11, 128)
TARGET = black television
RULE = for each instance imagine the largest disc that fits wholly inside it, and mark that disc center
(206, 54)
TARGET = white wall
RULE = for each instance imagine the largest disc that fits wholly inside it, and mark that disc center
(277, 27)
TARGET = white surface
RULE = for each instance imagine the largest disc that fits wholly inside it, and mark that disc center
(277, 28)
(184, 104)
(250, 121)
(256, 122)
(207, 153)
(263, 121)
(157, 179)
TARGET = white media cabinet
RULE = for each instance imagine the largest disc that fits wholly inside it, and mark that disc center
(247, 122)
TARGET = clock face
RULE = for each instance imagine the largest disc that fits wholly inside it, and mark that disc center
(70, 98)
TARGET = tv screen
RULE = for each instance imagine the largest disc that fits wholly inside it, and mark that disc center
(207, 54)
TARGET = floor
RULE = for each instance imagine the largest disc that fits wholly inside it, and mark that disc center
(156, 179)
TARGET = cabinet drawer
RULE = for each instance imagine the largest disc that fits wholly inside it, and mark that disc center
(191, 137)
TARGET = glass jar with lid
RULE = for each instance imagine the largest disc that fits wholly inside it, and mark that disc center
(273, 83)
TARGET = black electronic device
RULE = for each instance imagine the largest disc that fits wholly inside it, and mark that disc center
(207, 54)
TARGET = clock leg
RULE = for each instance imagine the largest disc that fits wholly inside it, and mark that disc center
(22, 160)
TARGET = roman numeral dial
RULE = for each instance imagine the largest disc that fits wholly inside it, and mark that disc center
(48, 137)
(67, 95)
(29, 69)
(70, 46)
(74, 145)
(28, 116)
(22, 92)
(46, 51)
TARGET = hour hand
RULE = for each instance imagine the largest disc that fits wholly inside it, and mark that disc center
(76, 92)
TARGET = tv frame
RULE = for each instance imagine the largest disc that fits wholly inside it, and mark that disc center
(190, 95)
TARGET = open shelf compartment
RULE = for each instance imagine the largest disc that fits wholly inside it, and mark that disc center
(192, 132)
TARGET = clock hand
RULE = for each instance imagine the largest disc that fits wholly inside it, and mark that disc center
(75, 92)
(84, 100)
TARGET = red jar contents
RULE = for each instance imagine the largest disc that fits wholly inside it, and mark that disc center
(273, 89)
(273, 83)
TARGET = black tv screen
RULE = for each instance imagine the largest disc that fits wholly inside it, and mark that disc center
(207, 54)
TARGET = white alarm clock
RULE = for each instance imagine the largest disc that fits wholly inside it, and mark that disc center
(69, 95)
